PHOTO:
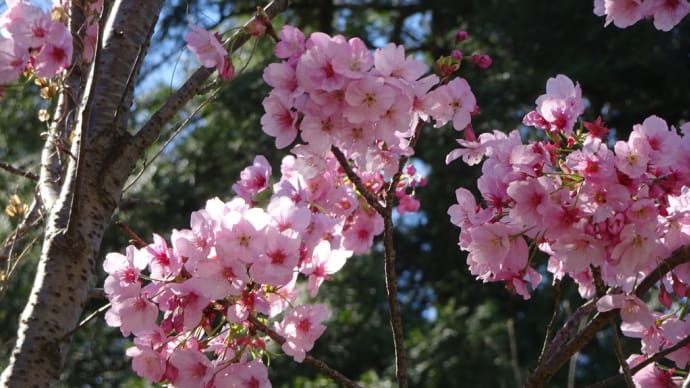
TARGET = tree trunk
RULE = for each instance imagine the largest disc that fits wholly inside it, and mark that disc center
(82, 201)
(88, 194)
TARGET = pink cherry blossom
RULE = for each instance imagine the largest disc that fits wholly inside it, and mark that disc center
(668, 13)
(390, 61)
(650, 376)
(163, 261)
(324, 262)
(624, 13)
(315, 68)
(251, 374)
(209, 50)
(241, 236)
(279, 120)
(452, 102)
(277, 264)
(124, 273)
(147, 362)
(359, 234)
(194, 368)
(56, 52)
(561, 105)
(194, 244)
(301, 327)
(133, 315)
(368, 99)
(291, 43)
(633, 310)
(253, 179)
(13, 59)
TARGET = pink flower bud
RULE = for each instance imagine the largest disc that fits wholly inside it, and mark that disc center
(461, 36)
(456, 54)
(482, 60)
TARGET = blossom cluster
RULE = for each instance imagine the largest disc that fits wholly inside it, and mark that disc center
(193, 304)
(619, 210)
(624, 13)
(334, 92)
(32, 41)
(190, 304)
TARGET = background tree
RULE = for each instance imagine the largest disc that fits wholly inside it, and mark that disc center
(457, 331)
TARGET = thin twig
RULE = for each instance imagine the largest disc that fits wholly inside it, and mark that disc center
(565, 343)
(514, 362)
(552, 323)
(370, 197)
(150, 131)
(392, 295)
(618, 349)
(32, 219)
(616, 380)
(178, 128)
(17, 171)
(134, 238)
(87, 319)
(309, 360)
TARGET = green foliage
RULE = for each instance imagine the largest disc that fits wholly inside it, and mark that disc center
(457, 328)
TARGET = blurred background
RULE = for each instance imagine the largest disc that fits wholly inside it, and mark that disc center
(459, 332)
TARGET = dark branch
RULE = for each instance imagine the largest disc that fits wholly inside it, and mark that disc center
(616, 380)
(150, 131)
(309, 360)
(357, 181)
(17, 171)
(568, 341)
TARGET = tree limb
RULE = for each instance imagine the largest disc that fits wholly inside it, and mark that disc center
(567, 341)
(616, 380)
(150, 131)
(17, 171)
(309, 360)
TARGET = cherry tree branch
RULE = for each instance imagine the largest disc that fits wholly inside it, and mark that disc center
(309, 360)
(568, 340)
(389, 248)
(389, 257)
(392, 295)
(616, 380)
(33, 218)
(17, 171)
(194, 85)
(357, 181)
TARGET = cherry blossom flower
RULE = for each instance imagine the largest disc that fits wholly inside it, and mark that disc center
(13, 59)
(147, 362)
(209, 50)
(668, 13)
(250, 374)
(301, 327)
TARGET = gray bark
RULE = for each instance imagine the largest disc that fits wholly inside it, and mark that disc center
(89, 189)
(88, 195)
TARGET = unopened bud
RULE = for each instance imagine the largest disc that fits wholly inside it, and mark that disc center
(482, 60)
(456, 54)
(461, 36)
(447, 66)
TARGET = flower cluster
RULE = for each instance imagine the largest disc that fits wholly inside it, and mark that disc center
(33, 42)
(191, 304)
(624, 13)
(596, 212)
(334, 92)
